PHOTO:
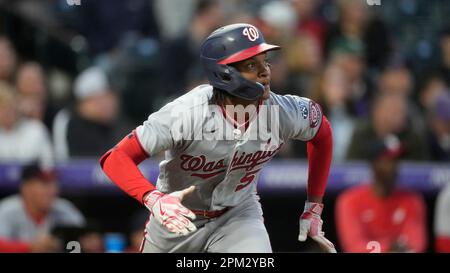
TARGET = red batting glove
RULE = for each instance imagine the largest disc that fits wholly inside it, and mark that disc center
(169, 212)
(311, 225)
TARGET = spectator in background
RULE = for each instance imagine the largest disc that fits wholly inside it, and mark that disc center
(241, 17)
(348, 55)
(21, 139)
(94, 125)
(398, 80)
(444, 65)
(356, 24)
(276, 19)
(439, 128)
(442, 221)
(353, 17)
(432, 86)
(167, 10)
(91, 240)
(8, 60)
(392, 217)
(27, 219)
(389, 121)
(331, 91)
(297, 65)
(309, 23)
(33, 93)
(180, 55)
(89, 237)
(105, 22)
(123, 38)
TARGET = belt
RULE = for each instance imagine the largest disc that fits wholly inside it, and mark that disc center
(210, 213)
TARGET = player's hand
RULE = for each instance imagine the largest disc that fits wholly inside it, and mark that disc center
(311, 225)
(168, 210)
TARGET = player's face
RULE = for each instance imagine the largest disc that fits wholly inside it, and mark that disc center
(256, 68)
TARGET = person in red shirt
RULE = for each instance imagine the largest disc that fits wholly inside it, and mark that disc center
(380, 217)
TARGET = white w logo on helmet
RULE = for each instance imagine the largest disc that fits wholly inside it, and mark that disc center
(251, 33)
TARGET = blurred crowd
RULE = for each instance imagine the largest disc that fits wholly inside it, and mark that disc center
(74, 79)
(104, 66)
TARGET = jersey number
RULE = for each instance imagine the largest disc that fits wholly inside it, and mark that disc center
(246, 180)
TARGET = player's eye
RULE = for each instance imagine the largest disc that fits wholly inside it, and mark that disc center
(251, 66)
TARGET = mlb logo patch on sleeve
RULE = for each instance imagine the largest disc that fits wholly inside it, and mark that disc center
(314, 114)
(304, 110)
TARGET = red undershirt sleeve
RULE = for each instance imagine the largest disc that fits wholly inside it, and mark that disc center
(319, 159)
(120, 164)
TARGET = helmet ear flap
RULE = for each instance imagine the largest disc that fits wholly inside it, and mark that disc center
(224, 74)
(229, 79)
(226, 77)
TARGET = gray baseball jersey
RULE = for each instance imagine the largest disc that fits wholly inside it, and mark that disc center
(203, 148)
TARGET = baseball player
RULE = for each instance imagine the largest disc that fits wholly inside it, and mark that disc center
(205, 199)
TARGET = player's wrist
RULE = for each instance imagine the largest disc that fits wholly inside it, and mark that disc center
(313, 207)
(151, 198)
